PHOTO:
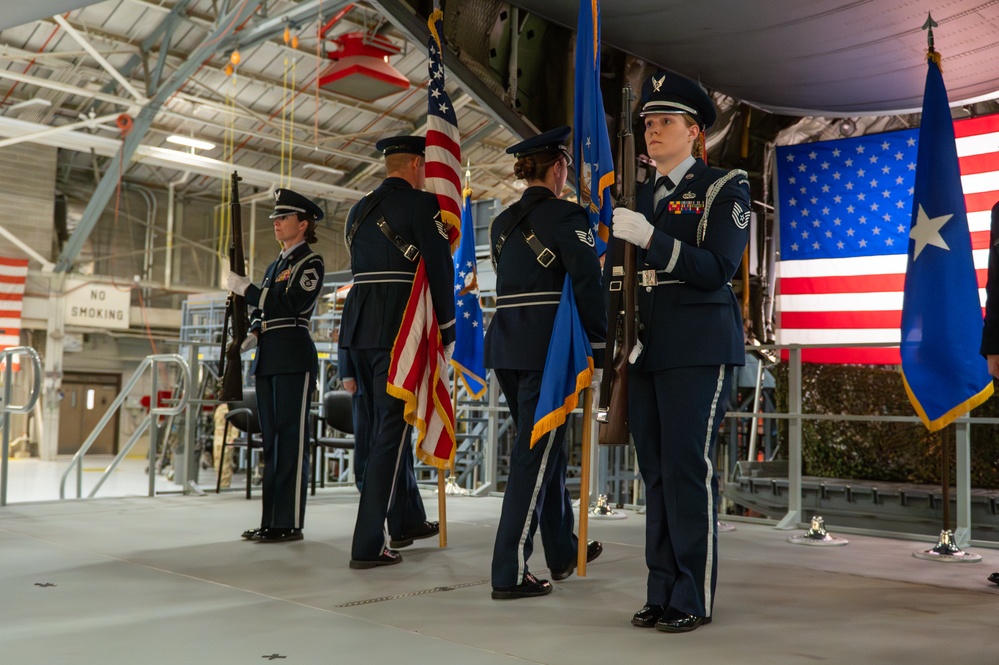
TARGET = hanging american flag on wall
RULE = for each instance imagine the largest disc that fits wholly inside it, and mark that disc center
(13, 273)
(843, 210)
(443, 141)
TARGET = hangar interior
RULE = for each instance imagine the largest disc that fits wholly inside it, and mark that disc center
(120, 124)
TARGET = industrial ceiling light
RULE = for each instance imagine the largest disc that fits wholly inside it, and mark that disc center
(361, 68)
(190, 142)
(324, 169)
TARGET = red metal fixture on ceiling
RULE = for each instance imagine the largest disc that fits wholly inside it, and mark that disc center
(361, 68)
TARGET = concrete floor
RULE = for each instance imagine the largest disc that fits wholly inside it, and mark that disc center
(168, 580)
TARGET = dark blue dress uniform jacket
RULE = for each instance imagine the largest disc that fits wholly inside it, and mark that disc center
(283, 305)
(383, 277)
(699, 321)
(518, 335)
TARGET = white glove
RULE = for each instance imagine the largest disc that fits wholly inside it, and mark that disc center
(632, 227)
(248, 343)
(598, 376)
(448, 352)
(236, 283)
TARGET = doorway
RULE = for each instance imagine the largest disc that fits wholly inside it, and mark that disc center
(86, 398)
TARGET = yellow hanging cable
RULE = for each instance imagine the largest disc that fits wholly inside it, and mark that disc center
(291, 116)
(284, 119)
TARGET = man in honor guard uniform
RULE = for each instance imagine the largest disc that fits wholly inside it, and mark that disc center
(387, 232)
(534, 243)
(690, 230)
(990, 328)
(286, 363)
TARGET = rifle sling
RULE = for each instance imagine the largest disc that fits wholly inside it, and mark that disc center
(362, 217)
(518, 214)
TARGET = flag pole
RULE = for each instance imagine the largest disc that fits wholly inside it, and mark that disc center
(441, 493)
(584, 484)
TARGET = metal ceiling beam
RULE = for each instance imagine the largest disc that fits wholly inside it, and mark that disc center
(140, 126)
(101, 60)
(414, 27)
(164, 158)
(304, 12)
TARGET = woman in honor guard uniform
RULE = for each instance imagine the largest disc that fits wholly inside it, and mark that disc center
(534, 243)
(387, 232)
(690, 229)
(286, 363)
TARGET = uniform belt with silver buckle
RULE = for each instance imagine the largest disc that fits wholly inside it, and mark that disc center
(289, 322)
(654, 278)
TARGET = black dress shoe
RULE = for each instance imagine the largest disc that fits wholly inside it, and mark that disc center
(647, 616)
(593, 549)
(273, 535)
(425, 530)
(675, 621)
(386, 558)
(530, 587)
(994, 578)
(251, 534)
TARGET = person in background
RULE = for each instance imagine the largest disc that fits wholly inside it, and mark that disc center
(690, 230)
(534, 243)
(286, 364)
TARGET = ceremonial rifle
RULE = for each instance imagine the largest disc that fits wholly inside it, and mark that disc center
(612, 410)
(236, 323)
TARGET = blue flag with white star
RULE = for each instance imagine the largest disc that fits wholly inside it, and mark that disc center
(594, 163)
(469, 357)
(943, 372)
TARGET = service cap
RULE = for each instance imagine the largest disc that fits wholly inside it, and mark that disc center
(666, 92)
(287, 202)
(554, 140)
(413, 145)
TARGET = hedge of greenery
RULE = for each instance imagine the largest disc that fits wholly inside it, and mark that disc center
(901, 452)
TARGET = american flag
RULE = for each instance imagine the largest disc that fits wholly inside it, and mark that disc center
(418, 376)
(13, 273)
(844, 209)
(443, 141)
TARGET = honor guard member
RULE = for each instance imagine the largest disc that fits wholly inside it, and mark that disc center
(534, 243)
(691, 228)
(286, 364)
(388, 232)
(990, 328)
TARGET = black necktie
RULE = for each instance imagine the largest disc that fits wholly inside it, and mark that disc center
(663, 185)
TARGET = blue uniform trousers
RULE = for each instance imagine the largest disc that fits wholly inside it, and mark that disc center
(390, 497)
(535, 492)
(283, 410)
(674, 415)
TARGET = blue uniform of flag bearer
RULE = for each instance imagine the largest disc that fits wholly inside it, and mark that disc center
(286, 363)
(534, 244)
(941, 312)
(388, 232)
(690, 230)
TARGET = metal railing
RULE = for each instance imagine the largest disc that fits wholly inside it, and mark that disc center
(6, 358)
(155, 362)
